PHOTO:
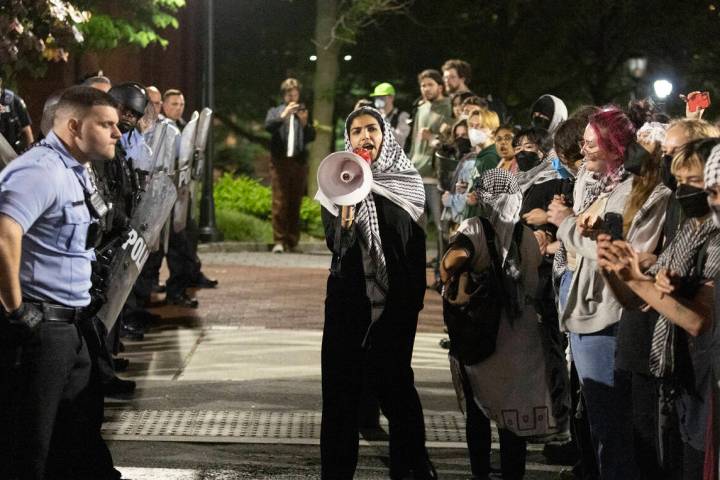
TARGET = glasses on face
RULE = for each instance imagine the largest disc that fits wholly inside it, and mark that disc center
(504, 138)
(587, 145)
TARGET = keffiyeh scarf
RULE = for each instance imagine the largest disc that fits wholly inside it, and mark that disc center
(681, 257)
(597, 186)
(500, 197)
(541, 173)
(712, 168)
(395, 178)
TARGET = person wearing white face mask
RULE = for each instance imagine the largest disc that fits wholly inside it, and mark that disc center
(482, 157)
(384, 100)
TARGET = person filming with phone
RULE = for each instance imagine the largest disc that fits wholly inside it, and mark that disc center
(291, 129)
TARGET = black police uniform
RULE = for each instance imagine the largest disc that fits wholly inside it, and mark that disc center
(13, 118)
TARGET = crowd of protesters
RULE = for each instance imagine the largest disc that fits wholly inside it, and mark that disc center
(577, 254)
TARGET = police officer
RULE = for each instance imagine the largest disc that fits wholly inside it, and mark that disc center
(118, 185)
(133, 100)
(14, 119)
(45, 277)
(182, 259)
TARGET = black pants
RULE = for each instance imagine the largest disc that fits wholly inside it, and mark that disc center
(53, 424)
(587, 467)
(513, 449)
(638, 394)
(182, 259)
(387, 365)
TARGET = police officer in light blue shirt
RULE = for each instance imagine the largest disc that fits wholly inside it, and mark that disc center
(47, 207)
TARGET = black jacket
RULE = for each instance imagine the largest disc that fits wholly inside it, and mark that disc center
(280, 128)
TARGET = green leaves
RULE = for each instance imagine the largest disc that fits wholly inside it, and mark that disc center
(243, 195)
(34, 32)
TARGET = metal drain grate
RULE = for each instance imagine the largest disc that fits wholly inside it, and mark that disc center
(245, 426)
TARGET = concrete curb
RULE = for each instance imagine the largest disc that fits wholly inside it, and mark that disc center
(231, 247)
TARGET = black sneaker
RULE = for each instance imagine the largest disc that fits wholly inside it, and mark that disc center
(201, 281)
(118, 386)
(121, 364)
(132, 332)
(182, 301)
(158, 288)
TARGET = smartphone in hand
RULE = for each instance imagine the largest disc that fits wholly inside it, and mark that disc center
(613, 225)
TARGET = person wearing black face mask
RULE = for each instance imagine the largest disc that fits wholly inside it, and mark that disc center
(637, 388)
(479, 157)
(677, 287)
(548, 112)
(462, 146)
(693, 201)
(679, 133)
(527, 160)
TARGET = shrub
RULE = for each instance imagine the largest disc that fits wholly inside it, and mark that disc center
(241, 227)
(243, 194)
(310, 219)
(250, 197)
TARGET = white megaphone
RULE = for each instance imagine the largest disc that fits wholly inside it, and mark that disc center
(345, 179)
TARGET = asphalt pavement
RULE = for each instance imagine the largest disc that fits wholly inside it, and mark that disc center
(231, 390)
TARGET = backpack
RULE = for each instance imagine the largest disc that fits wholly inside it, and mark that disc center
(473, 302)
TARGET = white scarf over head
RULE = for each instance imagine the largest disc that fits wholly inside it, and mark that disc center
(395, 178)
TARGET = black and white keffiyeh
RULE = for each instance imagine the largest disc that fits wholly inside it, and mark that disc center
(712, 168)
(501, 198)
(681, 257)
(597, 185)
(541, 173)
(395, 178)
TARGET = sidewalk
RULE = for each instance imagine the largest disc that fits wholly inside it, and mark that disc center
(232, 390)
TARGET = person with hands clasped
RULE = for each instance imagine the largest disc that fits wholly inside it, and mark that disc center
(679, 286)
(374, 295)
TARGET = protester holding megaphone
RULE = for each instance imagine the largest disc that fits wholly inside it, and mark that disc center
(374, 295)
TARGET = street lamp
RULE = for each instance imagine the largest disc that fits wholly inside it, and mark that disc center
(208, 231)
(663, 88)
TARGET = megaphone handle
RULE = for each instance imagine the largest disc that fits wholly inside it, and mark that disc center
(347, 216)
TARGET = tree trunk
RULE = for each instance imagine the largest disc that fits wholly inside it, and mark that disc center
(326, 74)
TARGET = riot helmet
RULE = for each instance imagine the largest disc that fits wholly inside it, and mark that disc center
(133, 99)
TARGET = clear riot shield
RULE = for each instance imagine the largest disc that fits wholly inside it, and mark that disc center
(183, 174)
(145, 225)
(164, 145)
(7, 152)
(201, 141)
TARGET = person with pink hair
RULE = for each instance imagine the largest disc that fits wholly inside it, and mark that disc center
(587, 308)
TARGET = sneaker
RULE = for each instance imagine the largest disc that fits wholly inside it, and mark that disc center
(158, 288)
(182, 301)
(132, 332)
(201, 281)
(118, 386)
(121, 364)
(278, 248)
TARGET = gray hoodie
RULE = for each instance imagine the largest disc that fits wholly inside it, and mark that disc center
(591, 305)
